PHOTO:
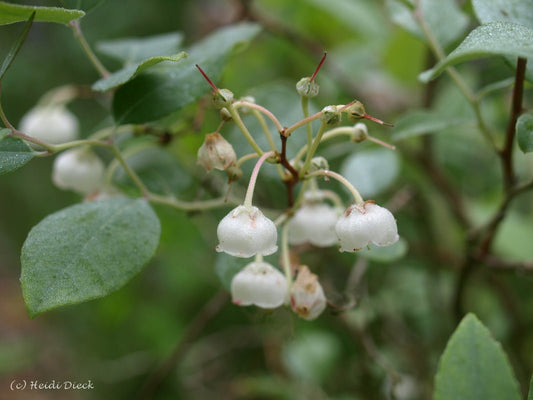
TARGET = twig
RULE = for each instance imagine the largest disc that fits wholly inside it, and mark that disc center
(204, 316)
(506, 153)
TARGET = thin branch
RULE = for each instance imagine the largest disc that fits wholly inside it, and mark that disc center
(506, 153)
(78, 34)
(195, 328)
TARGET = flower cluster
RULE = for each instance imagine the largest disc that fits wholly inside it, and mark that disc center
(78, 169)
(317, 218)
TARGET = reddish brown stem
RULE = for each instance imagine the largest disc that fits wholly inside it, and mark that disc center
(319, 65)
(207, 78)
(295, 174)
(506, 153)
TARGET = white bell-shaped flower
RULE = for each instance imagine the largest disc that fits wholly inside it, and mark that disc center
(363, 224)
(260, 284)
(216, 152)
(245, 232)
(78, 169)
(314, 223)
(307, 296)
(50, 124)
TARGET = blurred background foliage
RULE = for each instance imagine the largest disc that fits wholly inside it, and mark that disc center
(172, 333)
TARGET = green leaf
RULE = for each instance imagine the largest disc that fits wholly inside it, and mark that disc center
(444, 18)
(386, 254)
(312, 356)
(524, 132)
(85, 5)
(493, 39)
(162, 91)
(157, 169)
(517, 11)
(423, 122)
(530, 396)
(86, 251)
(16, 46)
(131, 50)
(474, 366)
(131, 71)
(359, 15)
(14, 152)
(11, 13)
(371, 171)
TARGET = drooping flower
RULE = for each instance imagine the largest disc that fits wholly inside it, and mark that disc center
(260, 284)
(363, 224)
(50, 124)
(314, 222)
(245, 232)
(307, 296)
(78, 169)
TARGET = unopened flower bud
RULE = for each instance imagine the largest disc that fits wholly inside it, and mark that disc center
(355, 111)
(307, 296)
(363, 224)
(225, 115)
(234, 173)
(260, 284)
(307, 87)
(216, 152)
(318, 163)
(78, 169)
(245, 232)
(50, 124)
(222, 98)
(360, 132)
(331, 115)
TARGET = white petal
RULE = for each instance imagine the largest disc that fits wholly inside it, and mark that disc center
(245, 232)
(78, 169)
(260, 284)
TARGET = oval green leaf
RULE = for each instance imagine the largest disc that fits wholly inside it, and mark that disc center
(131, 50)
(524, 132)
(423, 122)
(371, 171)
(10, 57)
(493, 39)
(86, 251)
(517, 11)
(162, 91)
(126, 74)
(11, 13)
(474, 366)
(530, 395)
(444, 18)
(14, 152)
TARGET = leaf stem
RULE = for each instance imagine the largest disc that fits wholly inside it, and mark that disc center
(313, 149)
(456, 78)
(285, 255)
(78, 34)
(134, 177)
(272, 117)
(253, 178)
(287, 131)
(506, 153)
(238, 120)
(351, 188)
(178, 204)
